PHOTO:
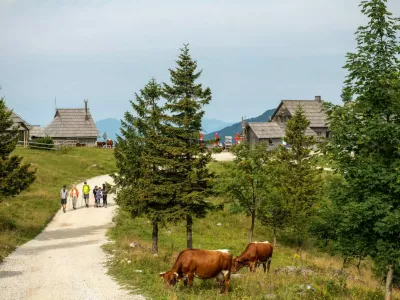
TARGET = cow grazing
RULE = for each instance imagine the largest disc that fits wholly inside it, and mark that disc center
(100, 144)
(203, 264)
(255, 253)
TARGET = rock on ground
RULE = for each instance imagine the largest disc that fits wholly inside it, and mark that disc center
(65, 261)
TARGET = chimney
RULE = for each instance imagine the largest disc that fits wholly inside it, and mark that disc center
(86, 110)
(318, 98)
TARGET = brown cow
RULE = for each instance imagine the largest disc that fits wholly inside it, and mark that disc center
(109, 143)
(100, 144)
(255, 254)
(203, 264)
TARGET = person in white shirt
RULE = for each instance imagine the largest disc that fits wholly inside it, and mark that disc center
(63, 196)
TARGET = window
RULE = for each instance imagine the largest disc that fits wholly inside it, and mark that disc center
(270, 141)
(319, 133)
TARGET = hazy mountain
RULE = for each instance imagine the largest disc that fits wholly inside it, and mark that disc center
(111, 126)
(210, 125)
(237, 127)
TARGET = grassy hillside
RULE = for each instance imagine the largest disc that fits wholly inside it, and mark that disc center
(138, 268)
(23, 217)
(237, 127)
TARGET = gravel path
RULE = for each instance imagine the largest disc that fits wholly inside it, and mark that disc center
(65, 261)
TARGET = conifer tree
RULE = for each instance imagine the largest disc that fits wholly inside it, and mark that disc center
(366, 141)
(14, 175)
(143, 177)
(302, 180)
(185, 101)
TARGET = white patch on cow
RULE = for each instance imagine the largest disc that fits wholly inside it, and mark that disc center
(266, 242)
(223, 250)
(225, 272)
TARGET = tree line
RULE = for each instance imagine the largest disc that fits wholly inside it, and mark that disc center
(354, 211)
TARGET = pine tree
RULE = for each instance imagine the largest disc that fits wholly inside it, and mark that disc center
(14, 176)
(245, 180)
(143, 177)
(185, 101)
(366, 141)
(302, 180)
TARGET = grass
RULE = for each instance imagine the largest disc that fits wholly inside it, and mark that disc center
(25, 216)
(137, 268)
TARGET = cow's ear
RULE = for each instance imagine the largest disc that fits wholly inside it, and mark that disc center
(162, 274)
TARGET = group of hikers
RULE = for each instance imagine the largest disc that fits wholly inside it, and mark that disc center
(99, 193)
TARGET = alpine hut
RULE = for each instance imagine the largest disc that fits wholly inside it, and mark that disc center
(22, 126)
(72, 125)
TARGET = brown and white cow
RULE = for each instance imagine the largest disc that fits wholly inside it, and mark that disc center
(203, 264)
(255, 254)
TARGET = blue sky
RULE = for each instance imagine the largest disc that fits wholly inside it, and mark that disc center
(253, 53)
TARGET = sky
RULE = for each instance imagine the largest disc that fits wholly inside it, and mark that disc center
(253, 53)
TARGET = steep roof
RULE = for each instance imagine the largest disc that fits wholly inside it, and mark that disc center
(312, 110)
(270, 130)
(20, 123)
(36, 131)
(71, 123)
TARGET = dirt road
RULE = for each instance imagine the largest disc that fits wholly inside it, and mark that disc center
(65, 261)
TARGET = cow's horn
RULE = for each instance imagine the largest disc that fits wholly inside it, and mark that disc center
(176, 274)
(162, 273)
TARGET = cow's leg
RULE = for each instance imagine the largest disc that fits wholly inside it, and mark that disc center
(226, 286)
(269, 263)
(185, 280)
(254, 266)
(190, 278)
(264, 267)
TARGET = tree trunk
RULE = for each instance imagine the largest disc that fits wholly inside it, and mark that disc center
(154, 236)
(253, 217)
(274, 237)
(389, 281)
(189, 239)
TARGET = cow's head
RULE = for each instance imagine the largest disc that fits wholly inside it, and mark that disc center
(237, 264)
(170, 277)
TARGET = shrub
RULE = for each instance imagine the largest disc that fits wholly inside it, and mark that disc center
(44, 143)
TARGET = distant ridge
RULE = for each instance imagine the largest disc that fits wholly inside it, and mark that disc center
(237, 127)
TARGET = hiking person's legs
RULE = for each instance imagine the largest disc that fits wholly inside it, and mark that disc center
(105, 200)
(74, 202)
(63, 204)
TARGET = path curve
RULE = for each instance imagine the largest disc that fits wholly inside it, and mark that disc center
(65, 261)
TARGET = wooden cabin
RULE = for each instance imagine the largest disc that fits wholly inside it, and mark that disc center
(72, 124)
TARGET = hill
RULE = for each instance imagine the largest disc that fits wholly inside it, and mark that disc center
(25, 216)
(112, 126)
(237, 127)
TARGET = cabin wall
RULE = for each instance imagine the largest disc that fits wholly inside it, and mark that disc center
(82, 140)
(321, 131)
(282, 115)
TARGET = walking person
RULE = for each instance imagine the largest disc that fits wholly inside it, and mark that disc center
(74, 195)
(104, 195)
(99, 195)
(86, 192)
(94, 195)
(63, 196)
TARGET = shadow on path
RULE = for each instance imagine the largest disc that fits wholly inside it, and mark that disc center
(4, 274)
(70, 233)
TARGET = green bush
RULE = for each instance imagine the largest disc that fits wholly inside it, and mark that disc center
(44, 143)
(217, 150)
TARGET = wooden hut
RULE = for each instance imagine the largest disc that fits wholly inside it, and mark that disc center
(73, 125)
(22, 126)
(312, 110)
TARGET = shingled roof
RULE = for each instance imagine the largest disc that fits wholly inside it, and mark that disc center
(72, 123)
(270, 130)
(20, 123)
(312, 110)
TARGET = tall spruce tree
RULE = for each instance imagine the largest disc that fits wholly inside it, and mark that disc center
(185, 101)
(366, 141)
(143, 177)
(14, 176)
(303, 182)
